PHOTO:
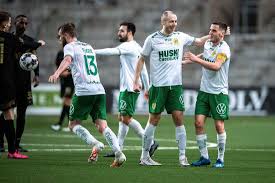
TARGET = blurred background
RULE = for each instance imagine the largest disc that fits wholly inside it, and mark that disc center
(252, 43)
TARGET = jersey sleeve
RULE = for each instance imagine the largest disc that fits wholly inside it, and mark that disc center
(108, 51)
(187, 39)
(223, 54)
(147, 47)
(68, 51)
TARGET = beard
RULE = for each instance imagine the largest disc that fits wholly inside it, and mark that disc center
(122, 39)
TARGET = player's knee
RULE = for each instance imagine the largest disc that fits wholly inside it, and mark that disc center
(101, 125)
(126, 119)
(198, 124)
(72, 124)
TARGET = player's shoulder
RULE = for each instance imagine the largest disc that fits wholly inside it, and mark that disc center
(224, 46)
(153, 35)
(7, 35)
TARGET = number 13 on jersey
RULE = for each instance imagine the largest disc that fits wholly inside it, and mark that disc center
(91, 67)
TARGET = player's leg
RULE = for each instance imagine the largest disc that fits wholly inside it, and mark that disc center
(2, 147)
(98, 114)
(221, 141)
(66, 108)
(148, 140)
(202, 110)
(20, 126)
(7, 119)
(79, 110)
(175, 106)
(220, 112)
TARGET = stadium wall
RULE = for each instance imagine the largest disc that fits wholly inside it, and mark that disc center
(257, 101)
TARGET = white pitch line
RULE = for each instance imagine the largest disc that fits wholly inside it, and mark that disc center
(209, 144)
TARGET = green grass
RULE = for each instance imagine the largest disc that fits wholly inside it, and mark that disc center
(250, 155)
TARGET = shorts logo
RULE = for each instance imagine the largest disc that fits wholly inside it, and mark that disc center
(221, 108)
(122, 105)
(154, 105)
(71, 109)
(181, 100)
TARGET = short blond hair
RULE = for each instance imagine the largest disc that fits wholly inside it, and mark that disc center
(165, 14)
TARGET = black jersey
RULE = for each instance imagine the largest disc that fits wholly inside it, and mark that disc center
(8, 46)
(24, 77)
(66, 82)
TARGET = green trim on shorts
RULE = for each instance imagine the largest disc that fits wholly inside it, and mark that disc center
(127, 103)
(168, 97)
(93, 105)
(215, 105)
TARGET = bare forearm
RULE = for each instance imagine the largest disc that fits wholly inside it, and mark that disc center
(139, 68)
(200, 41)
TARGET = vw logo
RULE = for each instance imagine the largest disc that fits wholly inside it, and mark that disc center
(71, 109)
(181, 100)
(221, 108)
(122, 105)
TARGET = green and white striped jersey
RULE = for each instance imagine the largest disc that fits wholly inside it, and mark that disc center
(165, 54)
(215, 82)
(84, 69)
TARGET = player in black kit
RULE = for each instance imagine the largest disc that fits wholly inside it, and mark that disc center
(23, 78)
(8, 47)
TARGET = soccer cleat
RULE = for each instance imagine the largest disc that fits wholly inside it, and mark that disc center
(219, 164)
(55, 127)
(21, 149)
(120, 158)
(201, 162)
(148, 162)
(66, 129)
(109, 154)
(17, 155)
(183, 161)
(153, 148)
(96, 149)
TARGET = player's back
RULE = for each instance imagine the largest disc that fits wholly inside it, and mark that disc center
(84, 68)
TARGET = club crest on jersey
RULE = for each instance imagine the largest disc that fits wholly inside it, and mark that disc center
(221, 108)
(175, 42)
(154, 105)
(122, 105)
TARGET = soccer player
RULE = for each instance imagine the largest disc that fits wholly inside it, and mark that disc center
(129, 52)
(165, 50)
(213, 95)
(23, 81)
(89, 97)
(8, 46)
(66, 93)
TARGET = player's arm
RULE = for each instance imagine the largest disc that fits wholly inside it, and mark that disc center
(200, 41)
(214, 66)
(63, 66)
(108, 51)
(185, 62)
(141, 60)
(145, 78)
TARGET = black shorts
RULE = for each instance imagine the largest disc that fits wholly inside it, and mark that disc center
(66, 91)
(24, 97)
(7, 96)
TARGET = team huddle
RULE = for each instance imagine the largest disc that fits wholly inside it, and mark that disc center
(163, 88)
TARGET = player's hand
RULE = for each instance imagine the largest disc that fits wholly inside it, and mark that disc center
(35, 81)
(189, 56)
(185, 62)
(228, 32)
(137, 87)
(41, 42)
(53, 78)
(146, 95)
